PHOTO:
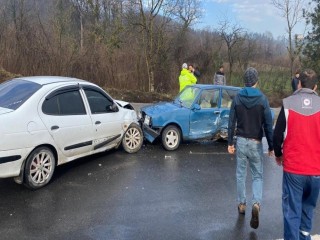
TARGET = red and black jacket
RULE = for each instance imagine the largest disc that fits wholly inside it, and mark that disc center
(297, 133)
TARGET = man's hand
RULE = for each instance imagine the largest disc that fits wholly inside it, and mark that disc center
(231, 149)
(271, 153)
(279, 160)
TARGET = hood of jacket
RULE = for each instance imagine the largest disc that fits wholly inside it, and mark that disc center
(250, 96)
(184, 72)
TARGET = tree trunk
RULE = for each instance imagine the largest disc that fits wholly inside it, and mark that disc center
(81, 32)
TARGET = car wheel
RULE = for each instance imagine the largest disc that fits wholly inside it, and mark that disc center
(132, 139)
(171, 138)
(39, 168)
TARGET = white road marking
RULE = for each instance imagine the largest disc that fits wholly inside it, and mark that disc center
(209, 153)
(314, 237)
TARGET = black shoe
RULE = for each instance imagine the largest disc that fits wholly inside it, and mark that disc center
(254, 223)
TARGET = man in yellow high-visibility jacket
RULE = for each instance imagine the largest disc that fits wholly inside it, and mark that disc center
(186, 77)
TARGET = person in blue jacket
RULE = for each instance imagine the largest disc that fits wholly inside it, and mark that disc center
(250, 116)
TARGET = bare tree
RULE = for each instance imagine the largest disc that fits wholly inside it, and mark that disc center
(246, 51)
(149, 10)
(81, 8)
(186, 12)
(232, 35)
(292, 11)
(3, 38)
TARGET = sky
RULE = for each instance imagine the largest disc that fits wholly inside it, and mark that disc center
(256, 16)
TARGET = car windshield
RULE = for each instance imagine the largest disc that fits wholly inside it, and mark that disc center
(187, 96)
(14, 93)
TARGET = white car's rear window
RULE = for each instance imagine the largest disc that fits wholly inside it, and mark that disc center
(15, 92)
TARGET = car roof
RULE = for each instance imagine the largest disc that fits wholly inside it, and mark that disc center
(210, 86)
(44, 80)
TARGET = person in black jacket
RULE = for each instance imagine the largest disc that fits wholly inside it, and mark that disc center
(295, 81)
(251, 113)
(194, 70)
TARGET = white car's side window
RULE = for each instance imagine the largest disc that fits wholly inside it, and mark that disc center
(98, 102)
(65, 103)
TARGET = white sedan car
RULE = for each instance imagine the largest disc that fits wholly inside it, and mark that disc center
(48, 121)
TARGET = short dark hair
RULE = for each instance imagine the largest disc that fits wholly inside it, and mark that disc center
(308, 78)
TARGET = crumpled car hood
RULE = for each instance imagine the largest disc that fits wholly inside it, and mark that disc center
(121, 103)
(160, 108)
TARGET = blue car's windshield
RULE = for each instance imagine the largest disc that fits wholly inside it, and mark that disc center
(187, 96)
(15, 92)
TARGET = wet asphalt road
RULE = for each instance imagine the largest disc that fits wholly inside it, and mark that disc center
(153, 194)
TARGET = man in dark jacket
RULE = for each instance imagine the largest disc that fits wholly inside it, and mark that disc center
(295, 81)
(250, 114)
(296, 146)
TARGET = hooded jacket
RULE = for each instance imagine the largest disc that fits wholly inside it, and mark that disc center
(186, 78)
(250, 114)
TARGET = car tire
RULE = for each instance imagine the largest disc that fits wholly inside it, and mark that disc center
(171, 137)
(132, 139)
(39, 168)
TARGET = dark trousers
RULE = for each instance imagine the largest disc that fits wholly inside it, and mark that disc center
(299, 198)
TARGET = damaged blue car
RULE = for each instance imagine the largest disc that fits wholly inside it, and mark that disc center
(198, 112)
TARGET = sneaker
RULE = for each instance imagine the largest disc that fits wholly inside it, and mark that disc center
(242, 208)
(254, 223)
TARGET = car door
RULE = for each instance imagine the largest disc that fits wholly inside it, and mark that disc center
(106, 116)
(204, 117)
(227, 97)
(63, 113)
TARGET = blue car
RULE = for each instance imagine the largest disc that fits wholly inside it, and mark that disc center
(198, 112)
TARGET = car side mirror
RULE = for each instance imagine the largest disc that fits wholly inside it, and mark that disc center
(196, 106)
(113, 107)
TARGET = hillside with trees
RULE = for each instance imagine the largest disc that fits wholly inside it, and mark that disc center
(140, 45)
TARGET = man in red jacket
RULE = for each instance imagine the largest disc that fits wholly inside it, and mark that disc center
(296, 139)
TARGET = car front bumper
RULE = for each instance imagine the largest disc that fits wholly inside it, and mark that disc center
(149, 133)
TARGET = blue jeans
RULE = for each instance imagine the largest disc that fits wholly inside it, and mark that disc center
(299, 198)
(249, 151)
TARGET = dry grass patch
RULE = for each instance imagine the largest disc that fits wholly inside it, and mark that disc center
(5, 75)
